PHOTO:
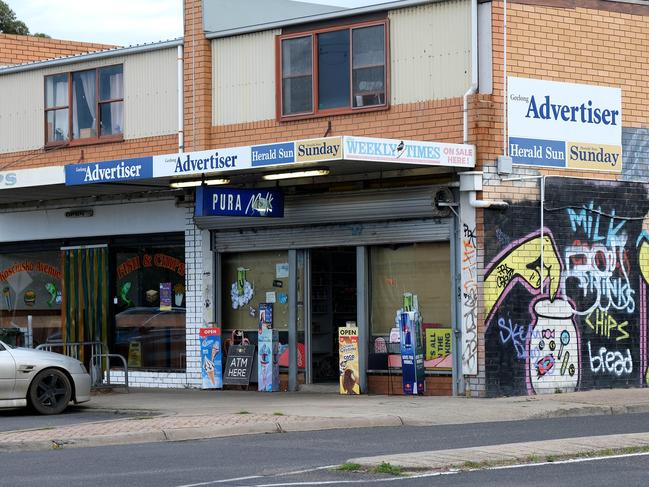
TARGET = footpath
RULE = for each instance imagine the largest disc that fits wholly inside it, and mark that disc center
(177, 415)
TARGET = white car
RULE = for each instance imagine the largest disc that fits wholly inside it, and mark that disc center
(45, 381)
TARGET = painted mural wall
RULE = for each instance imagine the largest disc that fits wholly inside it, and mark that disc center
(566, 305)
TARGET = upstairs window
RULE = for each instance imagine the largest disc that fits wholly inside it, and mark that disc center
(332, 71)
(84, 106)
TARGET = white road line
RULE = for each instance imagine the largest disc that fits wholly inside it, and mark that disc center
(418, 476)
(314, 469)
(211, 482)
(563, 462)
(337, 482)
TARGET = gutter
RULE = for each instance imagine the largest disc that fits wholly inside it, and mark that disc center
(181, 99)
(474, 70)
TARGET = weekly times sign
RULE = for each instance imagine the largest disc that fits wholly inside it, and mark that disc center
(564, 125)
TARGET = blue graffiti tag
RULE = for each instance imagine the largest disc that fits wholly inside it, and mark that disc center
(516, 333)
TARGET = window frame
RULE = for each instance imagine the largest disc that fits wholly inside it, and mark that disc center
(70, 141)
(313, 33)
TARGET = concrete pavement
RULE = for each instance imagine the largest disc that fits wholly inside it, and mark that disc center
(173, 415)
(525, 452)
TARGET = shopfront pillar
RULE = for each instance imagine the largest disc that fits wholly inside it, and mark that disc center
(292, 320)
(362, 313)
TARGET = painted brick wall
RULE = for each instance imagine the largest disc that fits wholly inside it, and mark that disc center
(15, 49)
(582, 41)
(588, 327)
(194, 297)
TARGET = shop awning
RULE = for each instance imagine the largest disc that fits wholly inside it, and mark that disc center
(336, 157)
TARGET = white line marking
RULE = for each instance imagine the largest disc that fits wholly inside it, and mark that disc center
(408, 477)
(337, 482)
(314, 469)
(210, 482)
(562, 462)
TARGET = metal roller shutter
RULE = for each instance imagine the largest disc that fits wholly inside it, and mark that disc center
(373, 205)
(321, 220)
(361, 233)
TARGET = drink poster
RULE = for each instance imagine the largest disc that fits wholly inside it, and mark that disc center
(348, 357)
(267, 350)
(165, 296)
(412, 357)
(211, 358)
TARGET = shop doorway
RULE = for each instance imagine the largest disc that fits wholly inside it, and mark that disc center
(333, 304)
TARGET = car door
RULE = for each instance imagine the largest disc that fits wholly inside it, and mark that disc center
(7, 373)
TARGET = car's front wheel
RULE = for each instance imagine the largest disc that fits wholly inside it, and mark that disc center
(50, 392)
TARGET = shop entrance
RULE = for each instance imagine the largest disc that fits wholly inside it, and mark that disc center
(333, 304)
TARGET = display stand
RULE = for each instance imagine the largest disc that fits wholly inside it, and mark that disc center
(412, 353)
(348, 356)
(211, 358)
(267, 351)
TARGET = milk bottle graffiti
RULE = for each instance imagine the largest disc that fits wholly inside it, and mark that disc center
(553, 348)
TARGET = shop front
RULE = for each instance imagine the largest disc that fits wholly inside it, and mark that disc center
(339, 259)
(95, 274)
(283, 246)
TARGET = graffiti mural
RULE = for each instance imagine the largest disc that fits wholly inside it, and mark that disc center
(566, 305)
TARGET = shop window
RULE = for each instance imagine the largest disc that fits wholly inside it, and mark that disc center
(30, 284)
(423, 270)
(150, 306)
(333, 70)
(84, 106)
(251, 278)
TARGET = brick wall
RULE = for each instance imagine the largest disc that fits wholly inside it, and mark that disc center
(16, 49)
(438, 120)
(197, 79)
(589, 42)
(166, 144)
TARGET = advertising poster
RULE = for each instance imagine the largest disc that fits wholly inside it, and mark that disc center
(412, 357)
(348, 356)
(211, 358)
(564, 125)
(135, 354)
(165, 296)
(238, 366)
(438, 348)
(267, 350)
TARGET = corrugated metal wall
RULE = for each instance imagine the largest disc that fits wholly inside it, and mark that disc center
(243, 80)
(151, 94)
(430, 51)
(150, 106)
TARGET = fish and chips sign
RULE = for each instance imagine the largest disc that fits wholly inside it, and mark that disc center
(564, 125)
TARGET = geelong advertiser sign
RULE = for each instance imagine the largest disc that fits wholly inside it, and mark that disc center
(292, 154)
(565, 125)
(109, 171)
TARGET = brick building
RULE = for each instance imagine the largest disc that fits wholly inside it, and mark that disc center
(417, 200)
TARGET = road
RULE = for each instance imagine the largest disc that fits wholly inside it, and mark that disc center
(23, 418)
(264, 457)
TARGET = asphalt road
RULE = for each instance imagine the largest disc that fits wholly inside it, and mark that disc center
(23, 418)
(264, 457)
